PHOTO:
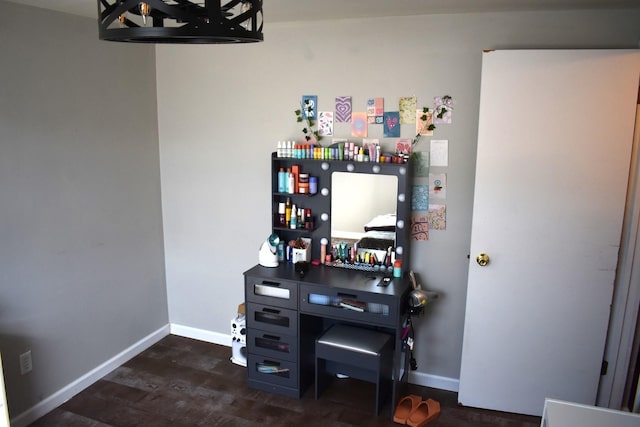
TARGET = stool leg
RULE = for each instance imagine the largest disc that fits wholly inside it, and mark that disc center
(319, 376)
(378, 385)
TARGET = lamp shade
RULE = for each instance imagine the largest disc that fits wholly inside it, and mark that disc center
(181, 21)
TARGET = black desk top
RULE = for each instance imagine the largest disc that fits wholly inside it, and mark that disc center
(334, 277)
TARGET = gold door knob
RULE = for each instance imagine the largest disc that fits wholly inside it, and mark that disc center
(482, 259)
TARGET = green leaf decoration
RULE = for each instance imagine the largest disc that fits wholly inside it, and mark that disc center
(303, 117)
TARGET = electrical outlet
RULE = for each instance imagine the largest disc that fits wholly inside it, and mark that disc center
(26, 365)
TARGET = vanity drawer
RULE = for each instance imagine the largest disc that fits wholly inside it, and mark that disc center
(273, 371)
(272, 345)
(363, 307)
(272, 319)
(270, 292)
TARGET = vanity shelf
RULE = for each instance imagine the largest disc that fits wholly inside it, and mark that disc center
(320, 203)
(279, 230)
(285, 195)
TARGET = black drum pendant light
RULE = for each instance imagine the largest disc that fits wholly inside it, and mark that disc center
(181, 21)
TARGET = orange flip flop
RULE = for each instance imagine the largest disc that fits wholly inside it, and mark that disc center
(427, 411)
(405, 407)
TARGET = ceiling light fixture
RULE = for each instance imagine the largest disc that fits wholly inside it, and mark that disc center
(181, 21)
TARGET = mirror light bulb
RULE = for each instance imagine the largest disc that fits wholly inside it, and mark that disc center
(324, 216)
(375, 169)
(399, 250)
(324, 191)
(402, 171)
(324, 166)
(401, 197)
(350, 167)
(400, 224)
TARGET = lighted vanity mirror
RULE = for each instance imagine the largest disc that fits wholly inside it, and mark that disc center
(364, 210)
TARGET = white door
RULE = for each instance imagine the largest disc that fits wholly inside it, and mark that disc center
(554, 145)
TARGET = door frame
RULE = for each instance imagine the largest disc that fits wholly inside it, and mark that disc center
(626, 297)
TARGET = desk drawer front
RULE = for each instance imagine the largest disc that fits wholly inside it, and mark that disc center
(278, 293)
(362, 307)
(272, 345)
(273, 371)
(272, 319)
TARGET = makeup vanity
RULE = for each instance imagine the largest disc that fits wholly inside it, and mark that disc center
(287, 311)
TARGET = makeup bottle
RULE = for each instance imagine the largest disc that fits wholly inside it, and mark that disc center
(300, 220)
(303, 183)
(397, 268)
(293, 223)
(281, 251)
(282, 183)
(291, 182)
(313, 184)
(287, 212)
(323, 250)
(308, 220)
(282, 221)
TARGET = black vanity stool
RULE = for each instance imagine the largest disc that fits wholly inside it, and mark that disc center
(358, 352)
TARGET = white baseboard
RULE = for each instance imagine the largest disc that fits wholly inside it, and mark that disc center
(418, 378)
(67, 392)
(58, 398)
(201, 334)
(434, 381)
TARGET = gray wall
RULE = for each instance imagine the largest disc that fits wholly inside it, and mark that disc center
(81, 255)
(223, 108)
(81, 249)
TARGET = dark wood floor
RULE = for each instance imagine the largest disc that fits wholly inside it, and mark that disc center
(184, 382)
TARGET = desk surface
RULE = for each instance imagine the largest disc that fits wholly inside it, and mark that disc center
(333, 277)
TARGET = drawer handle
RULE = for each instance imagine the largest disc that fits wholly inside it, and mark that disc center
(344, 295)
(271, 289)
(272, 319)
(271, 337)
(271, 310)
(273, 284)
